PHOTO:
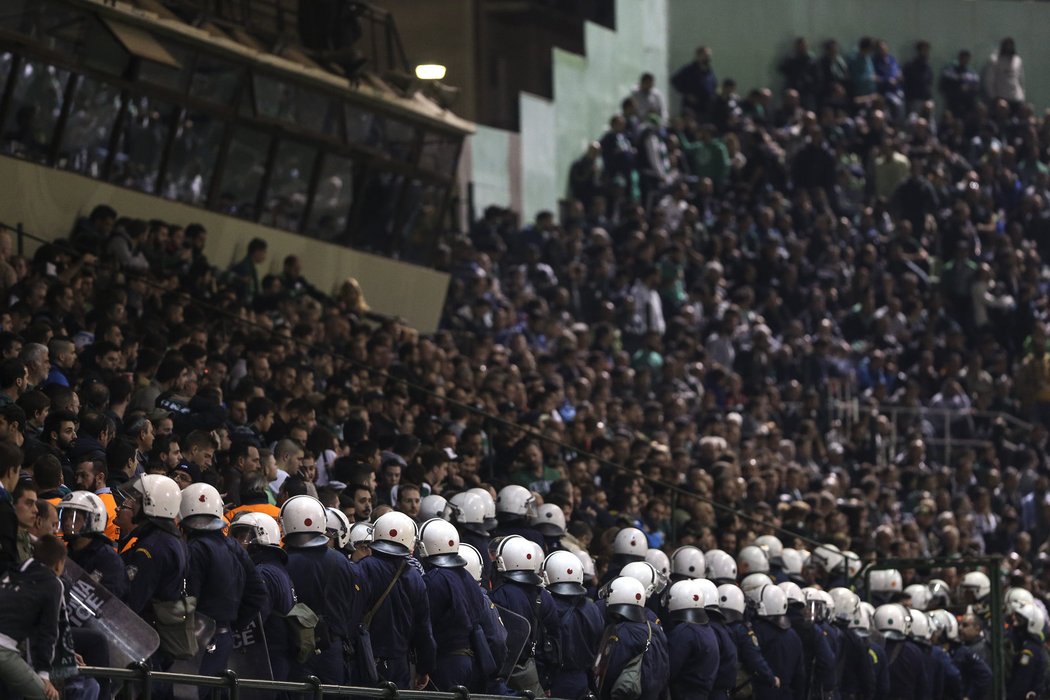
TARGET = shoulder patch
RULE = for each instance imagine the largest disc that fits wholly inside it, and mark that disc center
(754, 639)
(131, 571)
(873, 655)
(144, 551)
(1026, 658)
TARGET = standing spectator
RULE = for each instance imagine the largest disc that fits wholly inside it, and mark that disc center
(961, 86)
(1004, 75)
(10, 464)
(696, 83)
(888, 78)
(585, 175)
(647, 311)
(918, 78)
(833, 71)
(246, 272)
(618, 153)
(648, 99)
(862, 69)
(802, 74)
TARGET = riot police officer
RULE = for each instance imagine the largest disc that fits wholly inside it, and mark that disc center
(692, 643)
(884, 586)
(517, 588)
(515, 505)
(753, 667)
(261, 535)
(1030, 661)
(818, 658)
(687, 562)
(780, 646)
(456, 607)
(725, 677)
(629, 545)
(721, 568)
(326, 582)
(581, 624)
(221, 575)
(942, 672)
(155, 559)
(549, 521)
(630, 634)
(469, 519)
(83, 519)
(909, 678)
(491, 624)
(752, 560)
(855, 672)
(775, 551)
(398, 604)
(337, 527)
(975, 674)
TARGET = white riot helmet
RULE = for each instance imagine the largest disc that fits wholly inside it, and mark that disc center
(470, 512)
(515, 502)
(946, 623)
(975, 587)
(940, 594)
(81, 513)
(201, 508)
(394, 533)
(645, 573)
(549, 520)
(919, 594)
(516, 559)
(753, 584)
(490, 507)
(845, 603)
(630, 543)
(589, 574)
(793, 593)
(883, 583)
(564, 572)
(829, 558)
(439, 544)
(752, 560)
(892, 621)
(662, 564)
(686, 601)
(1014, 598)
(774, 548)
(435, 506)
(259, 528)
(337, 527)
(472, 556)
(861, 622)
(361, 534)
(818, 604)
(159, 495)
(771, 602)
(720, 567)
(919, 626)
(731, 601)
(625, 596)
(792, 563)
(688, 562)
(853, 564)
(304, 521)
(710, 592)
(1034, 617)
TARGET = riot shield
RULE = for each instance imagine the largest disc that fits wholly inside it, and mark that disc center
(518, 633)
(251, 657)
(92, 606)
(205, 631)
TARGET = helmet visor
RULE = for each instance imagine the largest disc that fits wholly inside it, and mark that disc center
(815, 610)
(72, 522)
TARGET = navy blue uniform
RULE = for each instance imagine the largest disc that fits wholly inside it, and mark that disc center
(909, 677)
(280, 597)
(749, 653)
(228, 590)
(581, 625)
(818, 659)
(325, 581)
(456, 605)
(947, 681)
(725, 679)
(401, 625)
(856, 667)
(495, 632)
(782, 650)
(1029, 669)
(976, 675)
(882, 668)
(693, 649)
(102, 563)
(537, 606)
(627, 640)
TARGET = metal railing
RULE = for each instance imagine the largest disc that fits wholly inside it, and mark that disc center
(137, 682)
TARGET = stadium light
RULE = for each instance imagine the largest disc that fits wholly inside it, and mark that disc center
(430, 71)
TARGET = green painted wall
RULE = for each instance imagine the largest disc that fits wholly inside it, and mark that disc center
(749, 37)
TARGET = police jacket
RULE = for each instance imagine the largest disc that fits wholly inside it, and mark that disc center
(749, 652)
(495, 632)
(455, 608)
(223, 578)
(531, 603)
(855, 667)
(30, 600)
(99, 559)
(782, 650)
(271, 564)
(818, 658)
(402, 623)
(1029, 670)
(947, 681)
(725, 679)
(581, 626)
(327, 583)
(156, 563)
(693, 654)
(975, 674)
(909, 679)
(624, 642)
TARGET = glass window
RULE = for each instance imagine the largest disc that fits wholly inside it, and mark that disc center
(243, 173)
(274, 99)
(215, 80)
(192, 161)
(176, 79)
(439, 153)
(377, 219)
(359, 124)
(421, 209)
(142, 142)
(85, 140)
(56, 27)
(36, 103)
(392, 137)
(289, 183)
(335, 194)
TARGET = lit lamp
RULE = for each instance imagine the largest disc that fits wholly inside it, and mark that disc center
(430, 71)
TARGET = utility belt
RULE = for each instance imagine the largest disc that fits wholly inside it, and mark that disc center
(461, 652)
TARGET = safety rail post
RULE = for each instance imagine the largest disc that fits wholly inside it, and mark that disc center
(528, 695)
(390, 690)
(147, 685)
(316, 683)
(235, 688)
(461, 692)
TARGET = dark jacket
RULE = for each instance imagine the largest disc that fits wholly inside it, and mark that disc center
(8, 531)
(30, 600)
